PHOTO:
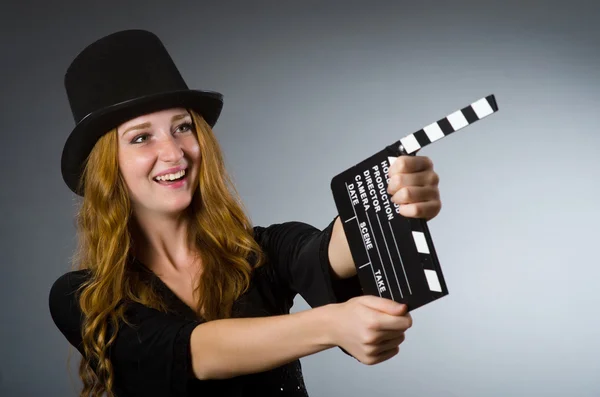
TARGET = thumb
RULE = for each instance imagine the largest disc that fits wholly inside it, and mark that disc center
(384, 305)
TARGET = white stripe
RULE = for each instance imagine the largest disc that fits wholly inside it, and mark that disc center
(482, 108)
(391, 160)
(432, 280)
(410, 143)
(421, 243)
(434, 132)
(458, 120)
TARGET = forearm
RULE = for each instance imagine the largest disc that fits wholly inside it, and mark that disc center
(232, 347)
(340, 257)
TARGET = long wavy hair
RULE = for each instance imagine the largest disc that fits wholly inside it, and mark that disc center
(219, 228)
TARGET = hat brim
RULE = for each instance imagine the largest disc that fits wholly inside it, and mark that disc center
(86, 133)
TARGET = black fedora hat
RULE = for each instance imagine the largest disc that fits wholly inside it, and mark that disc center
(119, 77)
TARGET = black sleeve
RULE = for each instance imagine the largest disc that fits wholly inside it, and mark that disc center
(150, 357)
(298, 252)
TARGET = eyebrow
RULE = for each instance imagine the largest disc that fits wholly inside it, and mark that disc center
(148, 124)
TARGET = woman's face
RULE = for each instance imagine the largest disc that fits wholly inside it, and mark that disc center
(159, 159)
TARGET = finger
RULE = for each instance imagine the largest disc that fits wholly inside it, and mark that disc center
(408, 164)
(422, 178)
(422, 210)
(384, 356)
(383, 305)
(416, 194)
(387, 323)
(385, 345)
(390, 344)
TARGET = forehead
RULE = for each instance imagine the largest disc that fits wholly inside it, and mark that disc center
(165, 115)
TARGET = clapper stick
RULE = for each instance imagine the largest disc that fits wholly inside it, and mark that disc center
(395, 256)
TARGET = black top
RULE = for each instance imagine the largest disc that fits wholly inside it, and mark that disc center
(153, 359)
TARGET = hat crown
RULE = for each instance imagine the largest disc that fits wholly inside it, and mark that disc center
(119, 67)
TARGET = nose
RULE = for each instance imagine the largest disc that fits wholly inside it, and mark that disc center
(170, 150)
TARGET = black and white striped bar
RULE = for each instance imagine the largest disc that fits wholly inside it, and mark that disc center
(476, 111)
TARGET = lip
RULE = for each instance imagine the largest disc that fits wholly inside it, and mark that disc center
(170, 171)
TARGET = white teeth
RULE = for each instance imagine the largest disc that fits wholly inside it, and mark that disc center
(170, 177)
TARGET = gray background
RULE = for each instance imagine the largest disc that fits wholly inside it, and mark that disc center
(310, 89)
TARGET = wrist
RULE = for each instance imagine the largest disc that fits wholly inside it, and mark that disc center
(329, 323)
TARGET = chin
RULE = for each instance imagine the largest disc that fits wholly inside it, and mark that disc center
(176, 204)
(165, 204)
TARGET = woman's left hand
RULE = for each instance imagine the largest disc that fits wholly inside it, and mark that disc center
(414, 186)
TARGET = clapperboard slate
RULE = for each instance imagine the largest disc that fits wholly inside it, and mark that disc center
(394, 255)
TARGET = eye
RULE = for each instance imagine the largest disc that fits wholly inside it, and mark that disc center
(187, 126)
(137, 138)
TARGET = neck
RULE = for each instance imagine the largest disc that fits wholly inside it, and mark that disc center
(162, 242)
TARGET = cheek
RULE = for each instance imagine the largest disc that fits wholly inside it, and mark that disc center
(193, 151)
(135, 167)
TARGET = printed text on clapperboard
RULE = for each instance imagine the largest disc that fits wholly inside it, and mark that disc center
(370, 190)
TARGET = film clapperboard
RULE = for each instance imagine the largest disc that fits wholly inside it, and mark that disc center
(394, 255)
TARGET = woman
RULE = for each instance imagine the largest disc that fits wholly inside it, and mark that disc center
(175, 292)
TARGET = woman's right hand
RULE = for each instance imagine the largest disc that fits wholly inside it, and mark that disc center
(370, 328)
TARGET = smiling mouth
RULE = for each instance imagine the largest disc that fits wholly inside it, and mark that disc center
(171, 178)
